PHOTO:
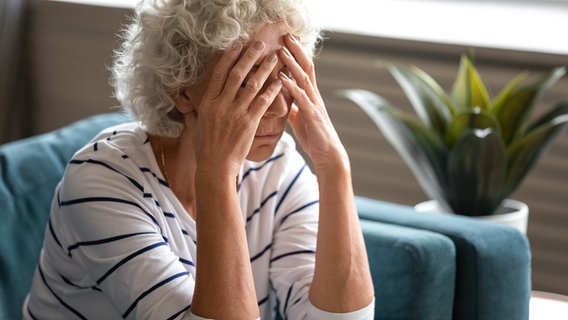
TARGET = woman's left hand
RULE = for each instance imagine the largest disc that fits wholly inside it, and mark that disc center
(309, 119)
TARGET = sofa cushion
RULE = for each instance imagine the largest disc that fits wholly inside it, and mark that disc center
(413, 271)
(29, 171)
(493, 279)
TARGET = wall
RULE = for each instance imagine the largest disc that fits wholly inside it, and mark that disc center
(71, 47)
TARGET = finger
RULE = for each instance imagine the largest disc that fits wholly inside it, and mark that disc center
(263, 101)
(300, 96)
(242, 68)
(297, 51)
(303, 80)
(221, 71)
(257, 81)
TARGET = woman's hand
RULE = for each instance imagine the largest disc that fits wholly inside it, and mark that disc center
(231, 101)
(309, 118)
(340, 246)
(231, 107)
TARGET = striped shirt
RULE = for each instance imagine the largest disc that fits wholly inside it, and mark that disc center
(118, 243)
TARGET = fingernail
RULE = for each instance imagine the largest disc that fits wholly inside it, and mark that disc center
(283, 76)
(286, 51)
(291, 37)
(273, 58)
(259, 45)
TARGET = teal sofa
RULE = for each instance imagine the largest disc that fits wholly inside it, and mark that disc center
(423, 266)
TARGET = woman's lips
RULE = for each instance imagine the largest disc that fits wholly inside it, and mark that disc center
(267, 136)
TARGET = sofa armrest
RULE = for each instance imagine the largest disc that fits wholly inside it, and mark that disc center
(29, 171)
(413, 271)
(493, 261)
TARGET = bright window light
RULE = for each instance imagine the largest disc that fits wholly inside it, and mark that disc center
(514, 24)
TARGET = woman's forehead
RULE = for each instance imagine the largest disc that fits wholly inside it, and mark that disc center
(272, 34)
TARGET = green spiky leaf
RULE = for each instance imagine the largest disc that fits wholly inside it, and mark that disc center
(422, 150)
(513, 110)
(469, 90)
(524, 153)
(476, 172)
(466, 121)
(425, 95)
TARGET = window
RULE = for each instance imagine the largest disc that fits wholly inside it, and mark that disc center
(529, 25)
(514, 24)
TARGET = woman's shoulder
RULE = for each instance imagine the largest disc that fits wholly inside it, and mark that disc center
(117, 139)
(122, 149)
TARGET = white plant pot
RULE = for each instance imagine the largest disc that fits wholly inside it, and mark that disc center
(512, 213)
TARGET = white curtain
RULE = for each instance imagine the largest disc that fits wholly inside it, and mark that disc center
(15, 118)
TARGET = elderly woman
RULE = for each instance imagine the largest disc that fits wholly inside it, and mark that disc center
(203, 208)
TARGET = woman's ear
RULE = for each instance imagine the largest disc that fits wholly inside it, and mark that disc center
(183, 101)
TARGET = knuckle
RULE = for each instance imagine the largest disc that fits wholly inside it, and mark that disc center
(236, 76)
(262, 100)
(250, 54)
(253, 85)
(306, 78)
(218, 76)
(310, 68)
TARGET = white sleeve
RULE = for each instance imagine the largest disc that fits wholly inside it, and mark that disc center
(191, 316)
(367, 313)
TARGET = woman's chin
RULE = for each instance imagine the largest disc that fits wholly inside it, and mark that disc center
(261, 152)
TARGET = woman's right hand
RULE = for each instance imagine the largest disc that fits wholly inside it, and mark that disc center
(235, 97)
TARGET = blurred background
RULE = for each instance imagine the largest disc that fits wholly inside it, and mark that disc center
(54, 58)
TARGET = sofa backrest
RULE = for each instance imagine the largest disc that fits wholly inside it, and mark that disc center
(29, 172)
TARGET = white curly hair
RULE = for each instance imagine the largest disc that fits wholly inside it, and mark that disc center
(167, 44)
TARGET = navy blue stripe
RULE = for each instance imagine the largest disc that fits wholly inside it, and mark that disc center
(297, 301)
(246, 174)
(130, 257)
(292, 253)
(298, 210)
(68, 307)
(103, 241)
(287, 299)
(258, 255)
(96, 199)
(162, 182)
(152, 289)
(188, 262)
(289, 187)
(177, 314)
(52, 232)
(95, 288)
(31, 314)
(169, 215)
(100, 163)
(261, 205)
(263, 301)
(107, 199)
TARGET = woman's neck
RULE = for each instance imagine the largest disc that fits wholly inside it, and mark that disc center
(177, 164)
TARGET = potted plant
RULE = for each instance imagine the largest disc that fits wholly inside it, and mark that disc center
(468, 150)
